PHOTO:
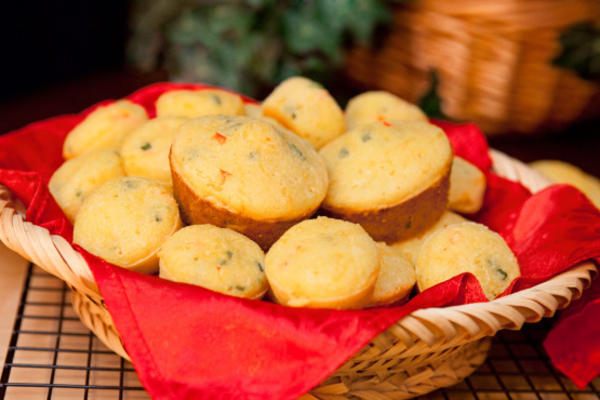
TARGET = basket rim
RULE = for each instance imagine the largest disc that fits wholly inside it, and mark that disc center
(439, 327)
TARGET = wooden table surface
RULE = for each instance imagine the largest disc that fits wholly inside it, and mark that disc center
(13, 269)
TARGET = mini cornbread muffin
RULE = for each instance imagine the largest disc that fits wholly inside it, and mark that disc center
(73, 181)
(126, 220)
(104, 128)
(215, 258)
(198, 103)
(396, 276)
(391, 179)
(253, 110)
(411, 247)
(467, 247)
(563, 172)
(307, 109)
(323, 262)
(467, 187)
(247, 175)
(145, 152)
(380, 106)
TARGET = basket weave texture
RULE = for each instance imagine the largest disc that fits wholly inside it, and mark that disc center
(428, 349)
(493, 60)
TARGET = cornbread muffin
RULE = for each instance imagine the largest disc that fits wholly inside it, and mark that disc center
(411, 247)
(145, 152)
(245, 174)
(126, 220)
(73, 181)
(391, 179)
(253, 110)
(467, 247)
(198, 103)
(323, 262)
(380, 106)
(467, 187)
(396, 276)
(104, 128)
(563, 172)
(307, 109)
(215, 258)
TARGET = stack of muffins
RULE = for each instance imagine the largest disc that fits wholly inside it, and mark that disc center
(352, 208)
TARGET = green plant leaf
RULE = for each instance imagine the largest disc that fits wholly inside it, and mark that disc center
(430, 102)
(358, 18)
(580, 50)
(306, 31)
(249, 45)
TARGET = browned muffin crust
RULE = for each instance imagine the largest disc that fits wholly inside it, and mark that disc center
(195, 210)
(404, 220)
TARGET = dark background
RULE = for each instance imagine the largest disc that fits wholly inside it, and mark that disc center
(47, 42)
(63, 56)
(60, 57)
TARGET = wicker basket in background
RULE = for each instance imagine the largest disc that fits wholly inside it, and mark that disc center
(493, 60)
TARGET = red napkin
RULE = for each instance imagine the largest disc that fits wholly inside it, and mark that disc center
(188, 343)
(572, 344)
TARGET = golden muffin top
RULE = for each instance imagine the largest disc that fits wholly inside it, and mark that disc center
(249, 167)
(78, 177)
(104, 128)
(380, 165)
(322, 261)
(126, 220)
(396, 276)
(215, 258)
(377, 106)
(198, 103)
(145, 151)
(467, 247)
(307, 109)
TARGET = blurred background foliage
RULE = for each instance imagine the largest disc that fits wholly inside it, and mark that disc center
(251, 45)
(580, 50)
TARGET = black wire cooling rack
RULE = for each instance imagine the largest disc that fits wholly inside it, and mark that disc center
(51, 355)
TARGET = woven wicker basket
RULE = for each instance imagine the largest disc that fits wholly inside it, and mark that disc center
(493, 59)
(426, 350)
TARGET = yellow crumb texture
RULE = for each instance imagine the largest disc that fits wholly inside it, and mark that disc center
(253, 110)
(198, 103)
(215, 258)
(78, 177)
(307, 109)
(126, 220)
(249, 167)
(411, 247)
(396, 277)
(467, 187)
(380, 165)
(380, 106)
(467, 247)
(104, 128)
(323, 262)
(145, 152)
